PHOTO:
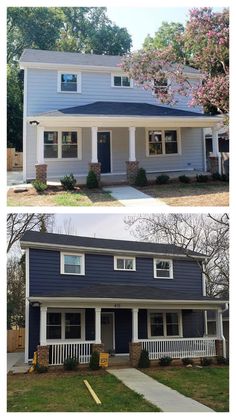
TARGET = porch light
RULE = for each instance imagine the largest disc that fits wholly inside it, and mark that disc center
(36, 304)
(34, 123)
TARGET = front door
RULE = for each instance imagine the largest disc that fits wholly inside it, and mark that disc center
(107, 331)
(104, 151)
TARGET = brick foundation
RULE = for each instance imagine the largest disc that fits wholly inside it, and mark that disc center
(214, 168)
(43, 356)
(41, 172)
(131, 171)
(135, 349)
(98, 347)
(219, 347)
(96, 168)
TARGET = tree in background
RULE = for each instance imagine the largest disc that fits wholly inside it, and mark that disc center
(16, 293)
(205, 45)
(207, 234)
(14, 107)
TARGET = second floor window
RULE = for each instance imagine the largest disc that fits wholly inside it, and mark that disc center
(161, 86)
(163, 268)
(69, 82)
(124, 263)
(121, 81)
(72, 264)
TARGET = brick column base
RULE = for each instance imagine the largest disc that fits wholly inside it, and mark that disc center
(219, 347)
(96, 168)
(43, 356)
(131, 171)
(135, 349)
(214, 168)
(98, 347)
(41, 172)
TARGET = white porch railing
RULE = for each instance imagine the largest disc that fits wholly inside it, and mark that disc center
(58, 352)
(179, 347)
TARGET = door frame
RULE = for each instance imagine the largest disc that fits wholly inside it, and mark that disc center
(113, 326)
(111, 162)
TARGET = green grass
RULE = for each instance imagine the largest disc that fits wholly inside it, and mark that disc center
(71, 200)
(66, 392)
(209, 385)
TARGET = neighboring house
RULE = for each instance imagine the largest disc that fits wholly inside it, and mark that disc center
(223, 145)
(211, 326)
(81, 111)
(86, 293)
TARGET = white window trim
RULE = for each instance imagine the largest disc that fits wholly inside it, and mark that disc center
(171, 268)
(121, 75)
(63, 324)
(62, 254)
(124, 257)
(179, 143)
(59, 73)
(165, 336)
(59, 133)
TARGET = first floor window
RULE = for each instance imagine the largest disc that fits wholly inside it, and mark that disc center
(65, 325)
(69, 144)
(171, 145)
(162, 141)
(155, 143)
(164, 324)
(124, 264)
(62, 144)
(73, 264)
(163, 268)
(50, 144)
(53, 325)
(72, 325)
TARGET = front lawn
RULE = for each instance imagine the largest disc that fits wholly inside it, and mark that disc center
(192, 194)
(209, 385)
(66, 392)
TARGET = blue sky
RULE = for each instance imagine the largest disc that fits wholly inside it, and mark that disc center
(141, 21)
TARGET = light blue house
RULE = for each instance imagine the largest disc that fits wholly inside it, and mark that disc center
(81, 111)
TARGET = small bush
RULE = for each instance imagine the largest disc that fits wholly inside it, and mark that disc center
(41, 368)
(94, 361)
(144, 361)
(92, 181)
(141, 178)
(165, 361)
(71, 364)
(187, 361)
(221, 360)
(68, 182)
(39, 186)
(225, 178)
(205, 362)
(202, 178)
(184, 179)
(162, 179)
(216, 176)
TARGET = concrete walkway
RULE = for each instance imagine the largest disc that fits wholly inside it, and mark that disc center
(14, 359)
(158, 394)
(131, 197)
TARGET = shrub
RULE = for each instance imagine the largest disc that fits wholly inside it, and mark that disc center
(221, 360)
(225, 178)
(39, 186)
(184, 179)
(141, 178)
(92, 181)
(162, 179)
(144, 361)
(94, 361)
(41, 368)
(202, 178)
(187, 361)
(205, 362)
(165, 361)
(71, 364)
(216, 176)
(68, 182)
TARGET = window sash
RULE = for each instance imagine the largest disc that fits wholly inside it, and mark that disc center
(159, 142)
(121, 81)
(68, 82)
(65, 145)
(72, 264)
(161, 326)
(124, 264)
(163, 268)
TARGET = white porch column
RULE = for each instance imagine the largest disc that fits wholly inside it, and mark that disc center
(98, 325)
(220, 331)
(135, 325)
(40, 145)
(94, 132)
(215, 142)
(43, 325)
(132, 156)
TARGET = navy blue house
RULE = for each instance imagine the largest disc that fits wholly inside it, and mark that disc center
(118, 296)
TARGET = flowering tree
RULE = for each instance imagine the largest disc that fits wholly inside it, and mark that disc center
(206, 47)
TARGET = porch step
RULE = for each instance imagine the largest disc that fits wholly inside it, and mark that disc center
(118, 361)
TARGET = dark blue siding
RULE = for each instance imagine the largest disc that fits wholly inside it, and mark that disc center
(45, 274)
(142, 324)
(89, 324)
(34, 324)
(193, 323)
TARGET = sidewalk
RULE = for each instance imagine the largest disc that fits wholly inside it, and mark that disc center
(158, 394)
(131, 197)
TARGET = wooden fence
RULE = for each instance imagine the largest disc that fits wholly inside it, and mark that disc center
(15, 340)
(14, 159)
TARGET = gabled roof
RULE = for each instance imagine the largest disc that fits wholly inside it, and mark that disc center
(74, 58)
(31, 238)
(121, 109)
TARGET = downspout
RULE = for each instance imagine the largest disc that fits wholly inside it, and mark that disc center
(222, 331)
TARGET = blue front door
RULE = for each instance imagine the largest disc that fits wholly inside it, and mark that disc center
(104, 151)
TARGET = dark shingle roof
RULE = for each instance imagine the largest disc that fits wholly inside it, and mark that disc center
(90, 242)
(121, 109)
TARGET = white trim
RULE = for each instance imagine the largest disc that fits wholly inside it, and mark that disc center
(43, 325)
(132, 154)
(25, 111)
(204, 150)
(63, 311)
(98, 311)
(170, 270)
(59, 131)
(111, 156)
(180, 323)
(215, 141)
(125, 258)
(135, 324)
(78, 83)
(27, 305)
(121, 75)
(113, 327)
(62, 254)
(164, 154)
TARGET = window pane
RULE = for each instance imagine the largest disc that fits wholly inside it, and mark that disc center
(128, 263)
(53, 318)
(171, 148)
(50, 137)
(68, 82)
(72, 319)
(120, 263)
(161, 273)
(72, 264)
(73, 326)
(117, 80)
(126, 81)
(162, 264)
(171, 141)
(69, 144)
(53, 332)
(157, 328)
(50, 151)
(50, 144)
(172, 318)
(69, 137)
(72, 332)
(172, 329)
(155, 142)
